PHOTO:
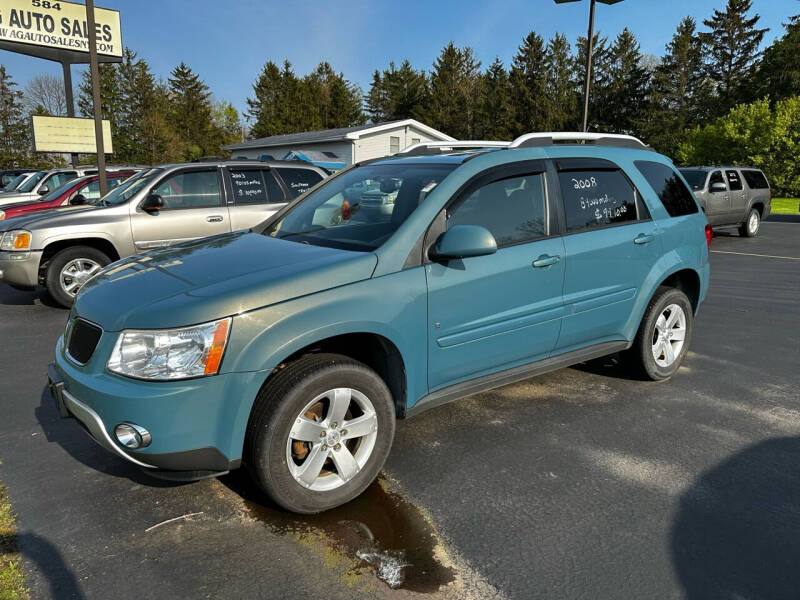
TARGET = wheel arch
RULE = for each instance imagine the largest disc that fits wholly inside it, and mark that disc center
(99, 243)
(688, 281)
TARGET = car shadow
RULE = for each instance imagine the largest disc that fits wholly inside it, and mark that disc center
(46, 559)
(13, 297)
(737, 529)
(68, 434)
(609, 366)
(784, 218)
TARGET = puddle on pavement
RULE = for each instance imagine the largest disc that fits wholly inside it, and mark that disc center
(388, 535)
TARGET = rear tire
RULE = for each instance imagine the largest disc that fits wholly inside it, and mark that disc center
(664, 335)
(296, 424)
(82, 261)
(752, 224)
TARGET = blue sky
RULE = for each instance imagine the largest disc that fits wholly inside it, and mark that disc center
(227, 41)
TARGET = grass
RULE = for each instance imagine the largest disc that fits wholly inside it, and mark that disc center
(785, 206)
(12, 581)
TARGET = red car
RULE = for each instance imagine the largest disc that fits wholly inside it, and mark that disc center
(75, 192)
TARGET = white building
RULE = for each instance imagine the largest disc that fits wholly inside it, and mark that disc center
(345, 145)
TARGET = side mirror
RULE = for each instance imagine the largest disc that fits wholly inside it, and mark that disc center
(719, 187)
(464, 241)
(77, 200)
(153, 203)
(44, 190)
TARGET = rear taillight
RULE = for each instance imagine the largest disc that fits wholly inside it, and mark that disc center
(709, 235)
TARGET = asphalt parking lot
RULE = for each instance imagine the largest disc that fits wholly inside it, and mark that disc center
(579, 484)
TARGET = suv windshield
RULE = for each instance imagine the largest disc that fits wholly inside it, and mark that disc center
(128, 190)
(696, 178)
(58, 191)
(31, 183)
(362, 208)
(12, 185)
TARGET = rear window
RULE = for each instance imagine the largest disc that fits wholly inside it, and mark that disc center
(755, 179)
(299, 180)
(668, 186)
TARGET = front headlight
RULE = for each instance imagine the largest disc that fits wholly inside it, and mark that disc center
(19, 239)
(171, 354)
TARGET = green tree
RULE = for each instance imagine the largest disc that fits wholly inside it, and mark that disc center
(561, 89)
(529, 86)
(397, 93)
(227, 122)
(335, 101)
(600, 78)
(454, 86)
(14, 132)
(730, 49)
(265, 108)
(160, 142)
(495, 112)
(190, 101)
(752, 134)
(622, 98)
(778, 74)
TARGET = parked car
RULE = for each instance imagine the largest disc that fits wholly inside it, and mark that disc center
(9, 175)
(160, 207)
(16, 182)
(76, 192)
(292, 347)
(737, 196)
(44, 182)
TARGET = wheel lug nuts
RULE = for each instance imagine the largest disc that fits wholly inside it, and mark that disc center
(324, 447)
(344, 432)
(323, 434)
(334, 424)
(337, 447)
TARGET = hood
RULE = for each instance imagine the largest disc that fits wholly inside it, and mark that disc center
(213, 278)
(54, 217)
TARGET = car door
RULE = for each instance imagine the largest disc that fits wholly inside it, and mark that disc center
(611, 244)
(488, 313)
(254, 196)
(193, 207)
(737, 193)
(719, 203)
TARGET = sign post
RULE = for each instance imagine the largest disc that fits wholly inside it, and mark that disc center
(98, 108)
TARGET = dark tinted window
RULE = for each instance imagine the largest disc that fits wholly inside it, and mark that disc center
(669, 188)
(696, 179)
(299, 180)
(192, 189)
(716, 177)
(733, 180)
(596, 198)
(755, 179)
(255, 186)
(512, 209)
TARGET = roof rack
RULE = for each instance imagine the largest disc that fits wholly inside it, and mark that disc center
(428, 148)
(551, 138)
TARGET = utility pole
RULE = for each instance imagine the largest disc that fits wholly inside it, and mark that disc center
(66, 67)
(98, 109)
(587, 85)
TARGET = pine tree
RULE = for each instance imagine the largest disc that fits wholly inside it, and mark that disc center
(14, 131)
(561, 89)
(778, 74)
(731, 49)
(398, 93)
(623, 98)
(227, 122)
(337, 102)
(529, 83)
(190, 101)
(495, 112)
(600, 79)
(264, 108)
(454, 92)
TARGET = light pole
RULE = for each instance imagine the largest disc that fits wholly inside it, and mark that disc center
(589, 44)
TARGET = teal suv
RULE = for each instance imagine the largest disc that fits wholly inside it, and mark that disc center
(291, 348)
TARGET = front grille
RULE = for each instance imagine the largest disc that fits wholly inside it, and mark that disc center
(83, 340)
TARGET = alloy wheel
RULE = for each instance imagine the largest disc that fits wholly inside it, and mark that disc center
(76, 273)
(669, 335)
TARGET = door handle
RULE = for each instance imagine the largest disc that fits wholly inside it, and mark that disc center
(545, 261)
(214, 218)
(643, 239)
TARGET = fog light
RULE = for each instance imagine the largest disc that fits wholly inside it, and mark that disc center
(132, 436)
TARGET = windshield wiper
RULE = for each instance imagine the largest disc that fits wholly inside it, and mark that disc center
(293, 233)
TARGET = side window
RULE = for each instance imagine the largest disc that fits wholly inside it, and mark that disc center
(597, 198)
(668, 186)
(248, 186)
(91, 191)
(299, 180)
(394, 144)
(716, 177)
(733, 180)
(274, 190)
(513, 209)
(192, 189)
(755, 179)
(58, 179)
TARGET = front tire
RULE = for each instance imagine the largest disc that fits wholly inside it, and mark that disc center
(319, 433)
(664, 335)
(70, 269)
(752, 224)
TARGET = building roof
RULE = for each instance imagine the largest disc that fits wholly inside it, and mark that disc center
(336, 135)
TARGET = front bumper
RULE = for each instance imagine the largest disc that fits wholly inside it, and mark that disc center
(197, 426)
(20, 268)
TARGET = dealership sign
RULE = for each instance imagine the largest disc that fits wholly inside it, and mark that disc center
(58, 30)
(68, 134)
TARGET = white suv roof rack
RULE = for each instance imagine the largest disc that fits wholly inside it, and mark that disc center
(550, 138)
(443, 147)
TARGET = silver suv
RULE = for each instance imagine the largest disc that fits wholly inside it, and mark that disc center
(157, 207)
(737, 196)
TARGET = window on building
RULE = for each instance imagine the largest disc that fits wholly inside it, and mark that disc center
(394, 144)
(414, 141)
